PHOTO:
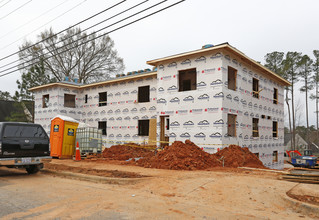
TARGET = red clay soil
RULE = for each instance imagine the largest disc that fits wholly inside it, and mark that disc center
(125, 152)
(236, 156)
(184, 156)
(180, 156)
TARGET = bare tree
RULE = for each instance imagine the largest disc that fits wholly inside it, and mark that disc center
(74, 54)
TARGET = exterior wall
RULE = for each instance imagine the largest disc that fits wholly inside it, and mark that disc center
(193, 114)
(43, 116)
(246, 107)
(122, 111)
(201, 115)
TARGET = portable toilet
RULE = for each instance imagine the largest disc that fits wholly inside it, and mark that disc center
(62, 136)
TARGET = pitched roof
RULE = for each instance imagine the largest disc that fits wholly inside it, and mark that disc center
(229, 48)
(287, 138)
(111, 80)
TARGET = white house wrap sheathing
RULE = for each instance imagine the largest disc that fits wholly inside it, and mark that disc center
(122, 111)
(199, 115)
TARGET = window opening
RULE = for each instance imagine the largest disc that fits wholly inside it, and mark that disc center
(143, 94)
(187, 80)
(255, 127)
(232, 74)
(143, 127)
(45, 101)
(255, 88)
(86, 99)
(275, 156)
(102, 99)
(269, 117)
(275, 96)
(263, 116)
(167, 123)
(231, 121)
(69, 100)
(275, 129)
(102, 126)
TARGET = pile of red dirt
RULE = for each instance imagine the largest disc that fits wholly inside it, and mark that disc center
(125, 152)
(236, 156)
(180, 156)
(183, 156)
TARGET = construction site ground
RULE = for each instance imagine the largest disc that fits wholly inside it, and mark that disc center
(218, 193)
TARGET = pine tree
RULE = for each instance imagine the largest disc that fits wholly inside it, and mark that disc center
(305, 73)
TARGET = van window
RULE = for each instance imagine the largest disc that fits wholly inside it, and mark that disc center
(23, 131)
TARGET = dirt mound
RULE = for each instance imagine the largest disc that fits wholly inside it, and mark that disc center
(125, 152)
(236, 156)
(180, 156)
(183, 156)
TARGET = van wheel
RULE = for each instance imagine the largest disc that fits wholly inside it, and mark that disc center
(32, 169)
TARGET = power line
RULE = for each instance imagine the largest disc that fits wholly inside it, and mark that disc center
(10, 55)
(87, 35)
(116, 29)
(45, 23)
(5, 3)
(33, 19)
(15, 10)
(80, 31)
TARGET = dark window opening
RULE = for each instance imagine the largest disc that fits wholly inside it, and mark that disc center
(102, 126)
(143, 94)
(45, 101)
(231, 129)
(167, 123)
(255, 88)
(255, 127)
(275, 129)
(187, 80)
(102, 99)
(263, 116)
(275, 96)
(232, 74)
(86, 99)
(143, 127)
(269, 117)
(275, 156)
(69, 101)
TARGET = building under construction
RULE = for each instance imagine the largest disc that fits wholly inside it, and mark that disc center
(214, 96)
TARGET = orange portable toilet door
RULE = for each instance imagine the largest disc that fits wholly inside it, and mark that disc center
(56, 138)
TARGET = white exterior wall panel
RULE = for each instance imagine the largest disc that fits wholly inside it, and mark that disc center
(246, 107)
(194, 114)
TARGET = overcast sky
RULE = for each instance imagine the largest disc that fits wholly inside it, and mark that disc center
(254, 27)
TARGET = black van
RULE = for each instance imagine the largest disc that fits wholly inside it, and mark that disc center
(23, 145)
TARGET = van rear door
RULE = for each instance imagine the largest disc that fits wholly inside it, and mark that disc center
(24, 140)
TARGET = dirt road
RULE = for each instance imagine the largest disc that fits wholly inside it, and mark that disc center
(164, 194)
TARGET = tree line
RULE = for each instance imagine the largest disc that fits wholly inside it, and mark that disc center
(295, 67)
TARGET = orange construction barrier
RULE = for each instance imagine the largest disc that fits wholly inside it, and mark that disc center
(77, 152)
